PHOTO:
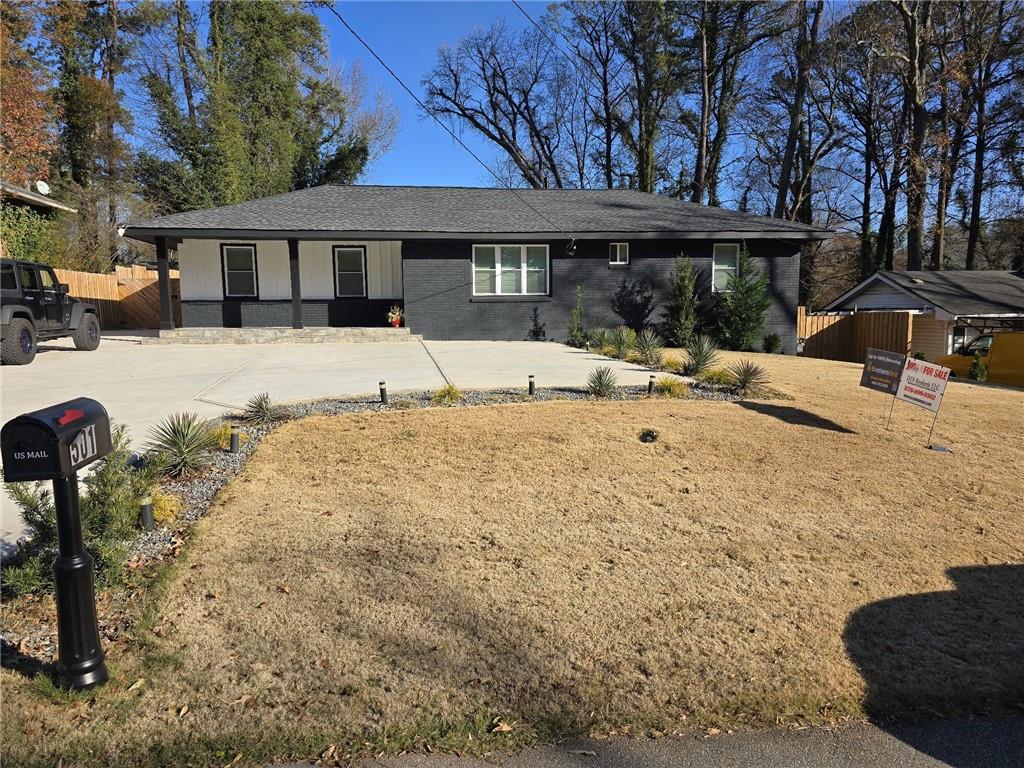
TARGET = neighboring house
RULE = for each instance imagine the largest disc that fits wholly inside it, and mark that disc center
(947, 308)
(13, 197)
(464, 263)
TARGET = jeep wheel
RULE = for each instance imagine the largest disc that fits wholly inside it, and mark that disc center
(19, 346)
(87, 334)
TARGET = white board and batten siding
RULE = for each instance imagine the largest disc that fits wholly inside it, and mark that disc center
(202, 278)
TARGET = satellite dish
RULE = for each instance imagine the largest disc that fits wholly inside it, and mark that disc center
(43, 187)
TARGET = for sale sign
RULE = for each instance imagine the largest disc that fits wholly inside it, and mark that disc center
(882, 370)
(923, 384)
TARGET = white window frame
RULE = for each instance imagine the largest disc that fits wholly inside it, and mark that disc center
(522, 268)
(334, 263)
(735, 269)
(616, 248)
(224, 270)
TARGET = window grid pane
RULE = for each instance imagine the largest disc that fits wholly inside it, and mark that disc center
(241, 283)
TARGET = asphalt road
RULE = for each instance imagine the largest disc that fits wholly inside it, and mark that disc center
(956, 743)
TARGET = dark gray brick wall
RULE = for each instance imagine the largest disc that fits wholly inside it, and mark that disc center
(439, 303)
(271, 314)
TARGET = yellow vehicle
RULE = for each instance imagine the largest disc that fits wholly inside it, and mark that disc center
(1002, 354)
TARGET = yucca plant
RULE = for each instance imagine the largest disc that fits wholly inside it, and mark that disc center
(263, 409)
(449, 394)
(622, 340)
(649, 348)
(670, 386)
(601, 382)
(183, 443)
(747, 377)
(702, 354)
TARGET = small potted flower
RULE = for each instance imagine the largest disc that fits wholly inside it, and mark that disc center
(395, 316)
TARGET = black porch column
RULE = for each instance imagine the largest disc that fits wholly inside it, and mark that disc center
(293, 263)
(164, 278)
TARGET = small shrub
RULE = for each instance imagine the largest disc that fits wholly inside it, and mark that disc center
(447, 395)
(601, 382)
(402, 405)
(577, 333)
(671, 363)
(600, 338)
(670, 386)
(717, 377)
(978, 370)
(109, 513)
(648, 435)
(746, 376)
(223, 434)
(166, 507)
(920, 356)
(680, 316)
(702, 355)
(183, 442)
(772, 343)
(622, 340)
(263, 409)
(649, 348)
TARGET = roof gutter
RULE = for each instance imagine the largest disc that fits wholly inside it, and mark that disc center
(149, 235)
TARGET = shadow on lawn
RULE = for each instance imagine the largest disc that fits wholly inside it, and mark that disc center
(948, 653)
(799, 416)
(29, 666)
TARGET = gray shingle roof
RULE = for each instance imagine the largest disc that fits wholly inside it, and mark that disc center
(436, 211)
(966, 292)
(959, 292)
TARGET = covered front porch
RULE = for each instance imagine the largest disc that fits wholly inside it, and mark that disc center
(281, 283)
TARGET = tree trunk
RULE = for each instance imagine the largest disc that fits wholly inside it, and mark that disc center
(186, 74)
(977, 185)
(700, 164)
(916, 23)
(867, 260)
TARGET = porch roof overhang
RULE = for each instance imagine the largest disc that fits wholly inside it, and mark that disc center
(149, 235)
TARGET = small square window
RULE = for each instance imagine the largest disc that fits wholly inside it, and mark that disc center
(618, 253)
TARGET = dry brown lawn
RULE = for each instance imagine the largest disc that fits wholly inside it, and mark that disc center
(403, 578)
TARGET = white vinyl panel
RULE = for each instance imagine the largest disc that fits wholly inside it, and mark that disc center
(273, 272)
(396, 269)
(316, 269)
(199, 264)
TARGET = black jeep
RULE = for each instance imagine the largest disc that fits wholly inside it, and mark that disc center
(35, 307)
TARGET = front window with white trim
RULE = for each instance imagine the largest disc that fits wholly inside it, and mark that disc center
(618, 253)
(349, 271)
(239, 270)
(725, 264)
(510, 270)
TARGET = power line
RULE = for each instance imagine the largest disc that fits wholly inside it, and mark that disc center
(437, 120)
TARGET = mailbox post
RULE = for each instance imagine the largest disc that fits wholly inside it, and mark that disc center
(53, 444)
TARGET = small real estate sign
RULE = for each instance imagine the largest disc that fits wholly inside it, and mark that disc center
(882, 370)
(923, 384)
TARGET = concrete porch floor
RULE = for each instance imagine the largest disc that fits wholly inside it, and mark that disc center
(141, 383)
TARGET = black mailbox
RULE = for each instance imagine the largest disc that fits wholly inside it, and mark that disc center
(55, 442)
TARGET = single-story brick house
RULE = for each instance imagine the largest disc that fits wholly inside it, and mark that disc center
(464, 263)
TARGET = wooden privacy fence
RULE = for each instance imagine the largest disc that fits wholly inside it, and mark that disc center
(127, 298)
(847, 336)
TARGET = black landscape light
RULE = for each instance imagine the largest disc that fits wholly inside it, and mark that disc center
(533, 386)
(383, 393)
(650, 386)
(233, 445)
(53, 444)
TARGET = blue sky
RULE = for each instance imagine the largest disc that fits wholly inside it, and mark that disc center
(407, 35)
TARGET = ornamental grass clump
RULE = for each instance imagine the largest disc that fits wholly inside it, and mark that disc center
(601, 382)
(717, 377)
(447, 395)
(747, 377)
(622, 341)
(183, 443)
(702, 355)
(263, 409)
(649, 348)
(670, 386)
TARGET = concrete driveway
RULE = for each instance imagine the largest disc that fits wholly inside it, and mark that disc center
(141, 383)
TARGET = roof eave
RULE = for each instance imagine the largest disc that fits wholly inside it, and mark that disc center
(149, 235)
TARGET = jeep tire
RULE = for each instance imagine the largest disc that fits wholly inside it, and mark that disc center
(87, 334)
(19, 344)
